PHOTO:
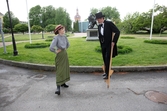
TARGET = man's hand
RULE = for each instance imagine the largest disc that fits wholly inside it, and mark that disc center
(112, 44)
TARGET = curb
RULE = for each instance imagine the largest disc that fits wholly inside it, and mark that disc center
(83, 69)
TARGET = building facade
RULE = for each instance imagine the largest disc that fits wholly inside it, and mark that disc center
(1, 17)
(77, 17)
(83, 26)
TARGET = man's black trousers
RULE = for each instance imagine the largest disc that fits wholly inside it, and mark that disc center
(106, 52)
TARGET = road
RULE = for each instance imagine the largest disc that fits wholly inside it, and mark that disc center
(33, 90)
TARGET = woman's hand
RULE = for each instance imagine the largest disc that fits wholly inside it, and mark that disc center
(58, 50)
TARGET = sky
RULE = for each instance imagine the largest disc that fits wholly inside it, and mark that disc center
(124, 7)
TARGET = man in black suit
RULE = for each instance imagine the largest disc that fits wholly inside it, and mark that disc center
(108, 37)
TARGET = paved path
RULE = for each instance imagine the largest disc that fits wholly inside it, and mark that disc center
(10, 43)
(33, 90)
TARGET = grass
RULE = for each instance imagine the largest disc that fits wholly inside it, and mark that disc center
(82, 53)
(25, 37)
(21, 37)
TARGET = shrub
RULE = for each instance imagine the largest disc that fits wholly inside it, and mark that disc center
(37, 45)
(67, 35)
(98, 49)
(50, 36)
(156, 41)
(49, 39)
(124, 49)
(121, 49)
(128, 37)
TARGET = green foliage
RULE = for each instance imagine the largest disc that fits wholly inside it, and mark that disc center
(34, 14)
(128, 25)
(49, 39)
(76, 27)
(94, 10)
(48, 15)
(124, 49)
(68, 22)
(5, 30)
(37, 45)
(121, 49)
(60, 16)
(136, 21)
(111, 13)
(21, 28)
(36, 28)
(50, 36)
(82, 53)
(50, 27)
(98, 49)
(6, 20)
(127, 37)
(156, 41)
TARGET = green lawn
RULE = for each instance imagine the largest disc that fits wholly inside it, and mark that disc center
(82, 52)
(21, 37)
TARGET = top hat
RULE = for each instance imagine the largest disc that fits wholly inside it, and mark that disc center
(58, 27)
(99, 15)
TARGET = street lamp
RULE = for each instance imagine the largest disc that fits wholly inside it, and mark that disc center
(41, 25)
(3, 41)
(152, 20)
(29, 30)
(11, 26)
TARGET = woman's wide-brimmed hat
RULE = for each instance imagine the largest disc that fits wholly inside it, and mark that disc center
(58, 27)
(99, 15)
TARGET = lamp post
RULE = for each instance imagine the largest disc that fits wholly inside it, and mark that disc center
(29, 30)
(11, 26)
(2, 36)
(152, 20)
(41, 25)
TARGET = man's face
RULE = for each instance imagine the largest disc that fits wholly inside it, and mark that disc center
(100, 20)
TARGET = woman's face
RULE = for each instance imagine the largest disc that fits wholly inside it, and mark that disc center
(62, 31)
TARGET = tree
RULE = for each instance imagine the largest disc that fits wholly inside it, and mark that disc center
(36, 28)
(160, 19)
(129, 23)
(62, 17)
(69, 22)
(76, 26)
(21, 28)
(94, 10)
(48, 15)
(50, 27)
(6, 20)
(111, 13)
(34, 15)
(135, 22)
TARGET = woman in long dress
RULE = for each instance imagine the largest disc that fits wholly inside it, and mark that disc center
(59, 45)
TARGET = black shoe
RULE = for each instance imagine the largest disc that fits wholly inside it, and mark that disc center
(104, 74)
(105, 77)
(58, 90)
(64, 85)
